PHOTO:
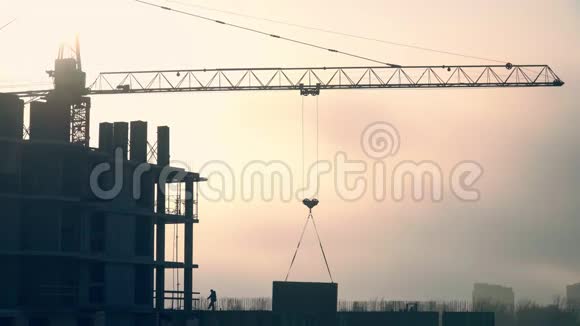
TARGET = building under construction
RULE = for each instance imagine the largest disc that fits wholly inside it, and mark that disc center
(82, 240)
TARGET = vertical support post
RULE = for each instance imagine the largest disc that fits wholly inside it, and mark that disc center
(138, 141)
(188, 245)
(162, 161)
(121, 137)
(106, 138)
(160, 259)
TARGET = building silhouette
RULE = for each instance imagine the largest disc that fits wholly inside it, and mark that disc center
(80, 243)
(573, 297)
(492, 296)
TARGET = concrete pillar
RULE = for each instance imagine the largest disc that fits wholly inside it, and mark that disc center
(163, 146)
(106, 137)
(138, 148)
(121, 137)
(160, 270)
(188, 246)
(162, 160)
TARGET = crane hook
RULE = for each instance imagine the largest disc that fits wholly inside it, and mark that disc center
(310, 203)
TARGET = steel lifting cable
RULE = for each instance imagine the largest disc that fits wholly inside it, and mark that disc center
(308, 219)
(7, 24)
(323, 30)
(297, 247)
(322, 248)
(310, 203)
(304, 179)
(317, 146)
(335, 32)
(303, 146)
(318, 189)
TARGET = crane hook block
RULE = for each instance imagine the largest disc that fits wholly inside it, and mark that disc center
(310, 203)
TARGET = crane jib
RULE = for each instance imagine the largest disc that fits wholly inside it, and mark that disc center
(311, 80)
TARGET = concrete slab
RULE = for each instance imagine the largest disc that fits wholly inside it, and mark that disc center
(304, 297)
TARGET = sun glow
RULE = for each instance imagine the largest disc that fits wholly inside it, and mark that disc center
(59, 21)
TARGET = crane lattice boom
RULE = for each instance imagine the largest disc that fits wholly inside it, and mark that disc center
(70, 87)
(309, 81)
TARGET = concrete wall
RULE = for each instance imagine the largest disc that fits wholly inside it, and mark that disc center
(10, 221)
(40, 226)
(546, 316)
(468, 319)
(9, 283)
(50, 121)
(120, 282)
(120, 235)
(10, 167)
(231, 318)
(11, 116)
(10, 241)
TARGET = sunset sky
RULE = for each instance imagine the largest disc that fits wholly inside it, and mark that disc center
(523, 233)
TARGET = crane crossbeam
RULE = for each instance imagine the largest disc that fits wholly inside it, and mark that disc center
(309, 81)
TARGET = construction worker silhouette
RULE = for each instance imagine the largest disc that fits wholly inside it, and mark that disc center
(212, 300)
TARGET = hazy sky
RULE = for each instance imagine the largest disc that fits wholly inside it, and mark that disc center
(524, 232)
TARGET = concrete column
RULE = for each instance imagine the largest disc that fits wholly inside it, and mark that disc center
(138, 141)
(188, 245)
(106, 137)
(121, 137)
(160, 271)
(163, 146)
(162, 160)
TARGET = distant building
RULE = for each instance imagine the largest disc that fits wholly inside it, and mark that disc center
(573, 296)
(491, 296)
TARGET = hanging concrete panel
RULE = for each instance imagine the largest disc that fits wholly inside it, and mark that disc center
(302, 297)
